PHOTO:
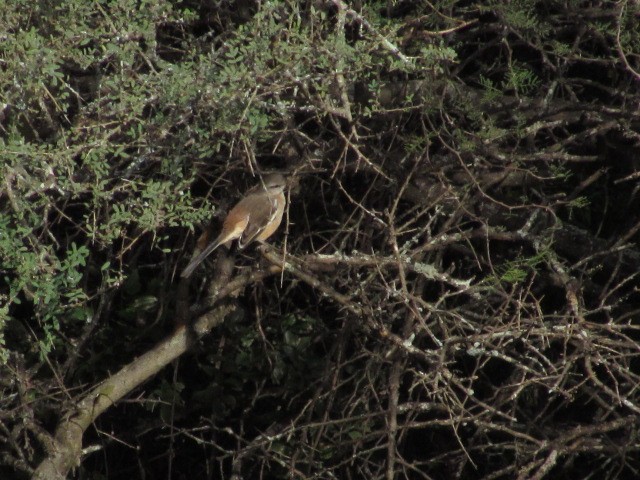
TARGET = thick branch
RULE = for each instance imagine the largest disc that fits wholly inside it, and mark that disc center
(67, 447)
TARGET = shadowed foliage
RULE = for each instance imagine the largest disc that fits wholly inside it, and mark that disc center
(454, 291)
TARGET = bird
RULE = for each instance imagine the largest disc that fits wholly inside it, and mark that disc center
(256, 217)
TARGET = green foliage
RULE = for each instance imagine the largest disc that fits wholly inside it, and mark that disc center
(517, 270)
(50, 282)
(4, 319)
(579, 202)
(628, 25)
(491, 92)
(521, 15)
(100, 164)
(521, 79)
(560, 172)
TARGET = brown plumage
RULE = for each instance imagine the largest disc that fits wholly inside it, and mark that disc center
(256, 217)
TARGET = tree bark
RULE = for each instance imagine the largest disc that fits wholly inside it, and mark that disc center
(67, 442)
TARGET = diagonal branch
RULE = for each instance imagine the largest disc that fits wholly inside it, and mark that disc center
(67, 442)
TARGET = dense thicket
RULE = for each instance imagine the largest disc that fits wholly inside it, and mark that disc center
(455, 292)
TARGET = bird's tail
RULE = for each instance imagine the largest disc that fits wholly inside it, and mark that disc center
(193, 264)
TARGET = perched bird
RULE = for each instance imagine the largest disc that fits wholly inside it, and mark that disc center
(256, 217)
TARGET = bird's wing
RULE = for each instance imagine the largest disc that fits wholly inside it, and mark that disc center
(262, 214)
